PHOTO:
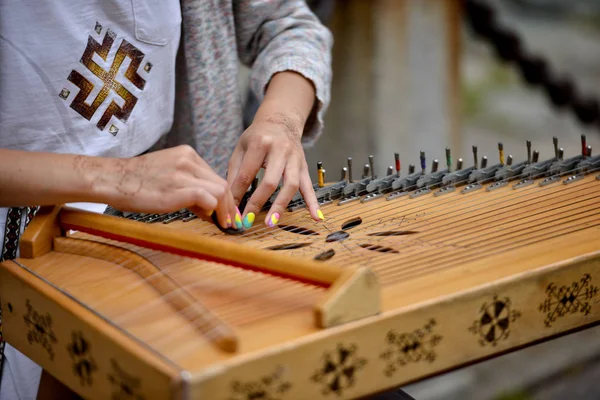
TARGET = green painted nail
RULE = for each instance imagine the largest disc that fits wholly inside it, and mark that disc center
(249, 220)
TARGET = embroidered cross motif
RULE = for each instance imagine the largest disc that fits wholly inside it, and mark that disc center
(109, 81)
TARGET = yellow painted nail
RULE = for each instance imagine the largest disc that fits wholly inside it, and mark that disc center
(238, 220)
(228, 221)
(320, 215)
(273, 220)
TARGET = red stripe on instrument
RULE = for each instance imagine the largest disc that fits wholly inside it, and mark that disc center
(187, 253)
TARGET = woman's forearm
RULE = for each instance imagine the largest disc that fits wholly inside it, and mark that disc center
(36, 178)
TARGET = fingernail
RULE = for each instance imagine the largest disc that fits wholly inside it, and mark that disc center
(249, 219)
(210, 213)
(228, 221)
(320, 215)
(273, 220)
(238, 219)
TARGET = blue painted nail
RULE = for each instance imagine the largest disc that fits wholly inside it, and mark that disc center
(249, 220)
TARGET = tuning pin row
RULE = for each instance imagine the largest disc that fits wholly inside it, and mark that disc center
(369, 170)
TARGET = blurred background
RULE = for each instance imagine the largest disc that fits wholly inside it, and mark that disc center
(409, 75)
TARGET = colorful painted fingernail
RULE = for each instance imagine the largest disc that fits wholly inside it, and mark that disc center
(238, 219)
(209, 213)
(228, 221)
(273, 220)
(320, 215)
(249, 220)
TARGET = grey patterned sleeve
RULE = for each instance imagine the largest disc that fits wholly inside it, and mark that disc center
(279, 35)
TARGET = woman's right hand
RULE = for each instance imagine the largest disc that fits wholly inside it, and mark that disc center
(169, 180)
(159, 182)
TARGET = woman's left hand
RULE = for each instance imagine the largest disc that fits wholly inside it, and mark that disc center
(272, 142)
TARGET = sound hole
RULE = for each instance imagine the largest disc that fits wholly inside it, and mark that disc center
(297, 229)
(351, 223)
(326, 255)
(392, 233)
(288, 246)
(380, 249)
(337, 236)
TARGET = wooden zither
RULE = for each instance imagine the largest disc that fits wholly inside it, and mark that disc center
(410, 275)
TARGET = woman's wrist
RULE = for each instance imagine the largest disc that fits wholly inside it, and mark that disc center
(288, 101)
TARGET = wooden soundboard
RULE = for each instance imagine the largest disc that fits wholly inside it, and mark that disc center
(380, 294)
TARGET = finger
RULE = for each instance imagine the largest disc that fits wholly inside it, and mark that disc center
(202, 213)
(265, 189)
(288, 191)
(308, 193)
(252, 162)
(224, 206)
(227, 212)
(201, 200)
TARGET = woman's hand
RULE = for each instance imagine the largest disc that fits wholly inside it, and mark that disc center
(159, 182)
(169, 180)
(273, 142)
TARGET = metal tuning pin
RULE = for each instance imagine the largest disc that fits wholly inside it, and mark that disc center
(528, 151)
(324, 177)
(501, 152)
(401, 186)
(372, 167)
(320, 174)
(384, 184)
(589, 163)
(485, 173)
(456, 177)
(555, 142)
(509, 171)
(397, 163)
(583, 146)
(562, 166)
(433, 179)
(349, 169)
(353, 190)
(475, 159)
(448, 159)
(534, 170)
(344, 174)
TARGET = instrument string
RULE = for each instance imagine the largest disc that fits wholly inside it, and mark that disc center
(417, 272)
(455, 230)
(255, 234)
(191, 345)
(439, 208)
(450, 256)
(420, 263)
(486, 213)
